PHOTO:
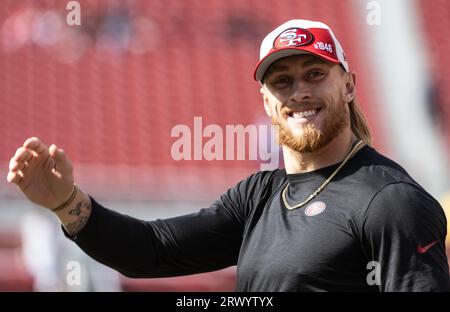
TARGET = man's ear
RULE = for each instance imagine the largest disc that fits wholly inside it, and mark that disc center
(265, 100)
(350, 86)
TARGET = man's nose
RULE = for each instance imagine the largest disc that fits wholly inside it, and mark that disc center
(301, 91)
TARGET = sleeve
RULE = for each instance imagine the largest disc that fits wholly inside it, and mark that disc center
(404, 231)
(199, 242)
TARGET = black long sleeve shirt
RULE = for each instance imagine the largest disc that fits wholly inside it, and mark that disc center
(373, 228)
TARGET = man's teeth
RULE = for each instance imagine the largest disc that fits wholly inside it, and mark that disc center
(304, 114)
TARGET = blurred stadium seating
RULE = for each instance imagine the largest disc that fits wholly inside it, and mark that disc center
(13, 274)
(435, 21)
(223, 280)
(110, 91)
(109, 104)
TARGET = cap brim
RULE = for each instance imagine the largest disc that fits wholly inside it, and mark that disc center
(265, 63)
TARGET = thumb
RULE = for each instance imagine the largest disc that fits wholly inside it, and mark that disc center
(62, 163)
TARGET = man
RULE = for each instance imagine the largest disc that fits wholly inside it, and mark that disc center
(340, 217)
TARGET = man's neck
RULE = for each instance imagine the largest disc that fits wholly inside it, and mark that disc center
(333, 153)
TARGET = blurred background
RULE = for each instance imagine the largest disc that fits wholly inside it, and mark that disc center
(110, 91)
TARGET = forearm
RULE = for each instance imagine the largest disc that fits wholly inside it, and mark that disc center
(76, 214)
(189, 244)
(121, 242)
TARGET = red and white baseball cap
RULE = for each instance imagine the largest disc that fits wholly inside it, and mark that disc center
(299, 37)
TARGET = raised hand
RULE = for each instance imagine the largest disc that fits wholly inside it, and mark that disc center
(44, 174)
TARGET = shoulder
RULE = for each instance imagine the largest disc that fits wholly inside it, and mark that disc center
(264, 178)
(261, 182)
(404, 204)
(252, 190)
(381, 169)
(390, 180)
(388, 189)
(370, 172)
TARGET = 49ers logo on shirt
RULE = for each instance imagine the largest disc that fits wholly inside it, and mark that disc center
(293, 37)
(315, 208)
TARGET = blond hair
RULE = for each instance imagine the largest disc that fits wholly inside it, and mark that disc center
(358, 123)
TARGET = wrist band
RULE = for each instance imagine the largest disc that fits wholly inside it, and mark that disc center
(69, 201)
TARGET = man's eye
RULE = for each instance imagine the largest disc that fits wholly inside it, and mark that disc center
(315, 74)
(282, 81)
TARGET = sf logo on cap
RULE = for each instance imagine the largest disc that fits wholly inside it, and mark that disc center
(293, 37)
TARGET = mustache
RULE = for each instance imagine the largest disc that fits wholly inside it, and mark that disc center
(302, 105)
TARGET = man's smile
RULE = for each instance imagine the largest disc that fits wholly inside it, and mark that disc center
(302, 115)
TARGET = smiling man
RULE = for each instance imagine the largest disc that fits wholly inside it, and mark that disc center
(339, 217)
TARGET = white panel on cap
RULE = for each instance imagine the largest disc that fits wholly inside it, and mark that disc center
(339, 52)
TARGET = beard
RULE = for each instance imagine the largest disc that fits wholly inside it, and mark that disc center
(312, 138)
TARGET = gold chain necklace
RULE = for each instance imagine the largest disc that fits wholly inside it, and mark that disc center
(352, 152)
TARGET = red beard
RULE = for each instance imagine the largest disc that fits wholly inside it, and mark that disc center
(313, 139)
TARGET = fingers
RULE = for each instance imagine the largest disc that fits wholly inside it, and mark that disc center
(15, 165)
(33, 155)
(36, 145)
(53, 150)
(15, 177)
(22, 159)
(23, 154)
(62, 163)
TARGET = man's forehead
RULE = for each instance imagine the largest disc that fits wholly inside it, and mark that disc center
(304, 60)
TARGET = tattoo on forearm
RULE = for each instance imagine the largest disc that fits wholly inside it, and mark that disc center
(74, 227)
(82, 211)
(77, 210)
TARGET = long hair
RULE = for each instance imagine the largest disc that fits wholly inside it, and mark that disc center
(358, 123)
